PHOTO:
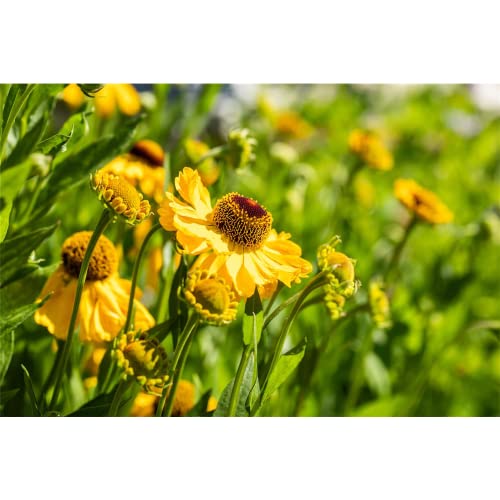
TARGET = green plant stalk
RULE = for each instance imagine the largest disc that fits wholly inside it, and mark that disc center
(188, 332)
(104, 220)
(238, 379)
(182, 362)
(396, 253)
(317, 281)
(50, 379)
(135, 275)
(212, 153)
(18, 105)
(122, 388)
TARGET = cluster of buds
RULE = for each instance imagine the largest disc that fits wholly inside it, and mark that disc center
(379, 304)
(341, 283)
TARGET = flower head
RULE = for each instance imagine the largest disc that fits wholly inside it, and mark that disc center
(240, 148)
(142, 358)
(211, 296)
(236, 234)
(291, 124)
(370, 149)
(121, 196)
(208, 169)
(142, 167)
(379, 304)
(104, 302)
(423, 203)
(340, 275)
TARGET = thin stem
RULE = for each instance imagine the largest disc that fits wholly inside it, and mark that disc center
(105, 219)
(50, 378)
(188, 331)
(238, 379)
(312, 285)
(117, 398)
(396, 253)
(135, 274)
(210, 154)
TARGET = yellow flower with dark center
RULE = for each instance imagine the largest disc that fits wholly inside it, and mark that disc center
(240, 148)
(142, 167)
(370, 149)
(237, 233)
(425, 204)
(289, 123)
(340, 275)
(121, 196)
(142, 358)
(107, 99)
(208, 169)
(211, 296)
(104, 302)
(379, 304)
(145, 404)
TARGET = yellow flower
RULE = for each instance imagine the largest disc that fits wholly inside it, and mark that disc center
(142, 167)
(379, 304)
(211, 296)
(142, 358)
(425, 204)
(104, 302)
(370, 149)
(208, 169)
(237, 232)
(291, 124)
(120, 196)
(107, 99)
(145, 404)
(340, 275)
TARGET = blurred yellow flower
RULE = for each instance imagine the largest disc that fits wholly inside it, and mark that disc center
(289, 123)
(379, 304)
(104, 303)
(123, 96)
(120, 196)
(208, 169)
(370, 149)
(423, 203)
(237, 232)
(142, 358)
(142, 167)
(145, 404)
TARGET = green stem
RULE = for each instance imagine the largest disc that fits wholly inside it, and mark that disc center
(396, 253)
(188, 332)
(135, 274)
(120, 391)
(210, 154)
(317, 281)
(238, 379)
(105, 219)
(50, 379)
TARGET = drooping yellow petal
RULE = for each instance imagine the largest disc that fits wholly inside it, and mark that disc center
(189, 185)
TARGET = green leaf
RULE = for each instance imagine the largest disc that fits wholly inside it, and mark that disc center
(77, 167)
(6, 351)
(13, 94)
(253, 319)
(97, 407)
(385, 407)
(60, 144)
(15, 251)
(11, 182)
(284, 368)
(28, 384)
(26, 145)
(376, 374)
(10, 320)
(246, 386)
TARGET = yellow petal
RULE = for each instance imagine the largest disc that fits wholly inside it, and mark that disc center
(128, 99)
